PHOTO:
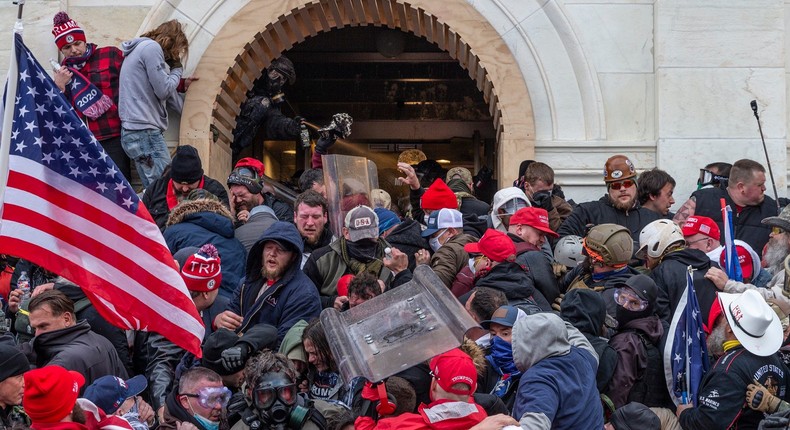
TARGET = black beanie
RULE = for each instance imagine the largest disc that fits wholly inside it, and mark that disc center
(634, 416)
(12, 362)
(186, 167)
(217, 342)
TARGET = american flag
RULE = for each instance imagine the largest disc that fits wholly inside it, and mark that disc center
(68, 209)
(686, 357)
(731, 262)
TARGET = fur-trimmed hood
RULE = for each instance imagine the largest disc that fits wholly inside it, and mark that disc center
(190, 207)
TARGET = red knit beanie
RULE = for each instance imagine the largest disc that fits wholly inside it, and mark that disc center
(438, 196)
(201, 270)
(66, 30)
(50, 393)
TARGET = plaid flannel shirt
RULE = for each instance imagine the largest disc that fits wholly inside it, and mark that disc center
(103, 69)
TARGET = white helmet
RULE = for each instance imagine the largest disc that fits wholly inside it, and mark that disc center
(667, 235)
(568, 251)
(647, 232)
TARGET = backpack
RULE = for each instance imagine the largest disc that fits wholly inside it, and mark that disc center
(22, 323)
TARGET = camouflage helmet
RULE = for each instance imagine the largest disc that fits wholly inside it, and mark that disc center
(283, 65)
(617, 168)
(610, 243)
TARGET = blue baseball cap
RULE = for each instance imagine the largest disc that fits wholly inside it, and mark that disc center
(109, 392)
(504, 315)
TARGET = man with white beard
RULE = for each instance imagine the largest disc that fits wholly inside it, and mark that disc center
(777, 249)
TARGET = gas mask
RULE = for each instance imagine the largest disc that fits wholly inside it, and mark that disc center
(274, 85)
(274, 400)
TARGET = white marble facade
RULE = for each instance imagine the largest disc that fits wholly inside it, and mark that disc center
(666, 82)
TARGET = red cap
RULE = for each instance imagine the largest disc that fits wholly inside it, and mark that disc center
(454, 367)
(715, 311)
(202, 270)
(744, 259)
(342, 284)
(438, 196)
(701, 224)
(534, 217)
(495, 245)
(252, 163)
(50, 393)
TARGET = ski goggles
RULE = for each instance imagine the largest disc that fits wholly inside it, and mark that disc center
(622, 184)
(628, 299)
(211, 397)
(706, 177)
(264, 398)
(246, 172)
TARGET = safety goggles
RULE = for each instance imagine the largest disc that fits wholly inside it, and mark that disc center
(211, 397)
(706, 177)
(511, 206)
(778, 230)
(264, 397)
(628, 299)
(622, 184)
(246, 172)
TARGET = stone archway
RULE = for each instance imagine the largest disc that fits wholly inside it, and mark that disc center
(240, 49)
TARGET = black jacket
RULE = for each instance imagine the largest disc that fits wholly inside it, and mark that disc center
(511, 279)
(670, 276)
(747, 222)
(406, 238)
(78, 348)
(586, 310)
(722, 393)
(155, 197)
(98, 324)
(537, 267)
(603, 212)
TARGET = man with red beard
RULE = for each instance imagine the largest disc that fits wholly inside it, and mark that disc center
(311, 219)
(275, 291)
(619, 206)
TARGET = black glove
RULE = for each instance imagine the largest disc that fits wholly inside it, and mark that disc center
(235, 358)
(174, 63)
(542, 199)
(774, 423)
(324, 143)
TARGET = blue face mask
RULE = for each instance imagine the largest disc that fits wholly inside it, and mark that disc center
(502, 355)
(206, 423)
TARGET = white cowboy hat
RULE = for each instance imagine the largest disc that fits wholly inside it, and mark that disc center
(753, 321)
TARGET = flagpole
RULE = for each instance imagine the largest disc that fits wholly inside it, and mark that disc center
(687, 379)
(8, 103)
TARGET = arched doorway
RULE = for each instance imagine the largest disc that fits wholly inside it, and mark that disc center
(494, 70)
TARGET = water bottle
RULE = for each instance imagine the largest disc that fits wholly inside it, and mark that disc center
(56, 66)
(23, 284)
(304, 136)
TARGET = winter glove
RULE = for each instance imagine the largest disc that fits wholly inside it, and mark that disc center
(774, 423)
(559, 269)
(542, 199)
(324, 143)
(760, 399)
(174, 63)
(235, 358)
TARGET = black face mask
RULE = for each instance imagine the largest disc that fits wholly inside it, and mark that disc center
(362, 250)
(625, 316)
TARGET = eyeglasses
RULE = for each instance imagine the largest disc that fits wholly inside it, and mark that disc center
(210, 397)
(264, 397)
(626, 298)
(778, 230)
(623, 184)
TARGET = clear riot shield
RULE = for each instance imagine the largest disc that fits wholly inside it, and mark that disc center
(398, 329)
(348, 182)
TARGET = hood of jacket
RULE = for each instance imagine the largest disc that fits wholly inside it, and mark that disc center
(283, 232)
(128, 46)
(500, 198)
(408, 233)
(537, 337)
(474, 225)
(206, 213)
(584, 309)
(509, 278)
(689, 257)
(650, 326)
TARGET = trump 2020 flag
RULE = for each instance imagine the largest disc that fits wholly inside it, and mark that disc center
(731, 263)
(686, 353)
(66, 208)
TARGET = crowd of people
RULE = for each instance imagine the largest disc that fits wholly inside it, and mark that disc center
(576, 300)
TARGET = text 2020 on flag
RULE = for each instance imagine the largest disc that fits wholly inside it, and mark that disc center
(67, 209)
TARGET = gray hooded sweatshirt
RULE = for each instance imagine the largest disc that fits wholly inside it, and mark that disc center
(147, 86)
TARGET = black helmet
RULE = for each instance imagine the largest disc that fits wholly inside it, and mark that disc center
(283, 65)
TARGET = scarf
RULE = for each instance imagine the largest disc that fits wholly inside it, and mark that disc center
(86, 97)
(362, 256)
(501, 359)
(172, 198)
